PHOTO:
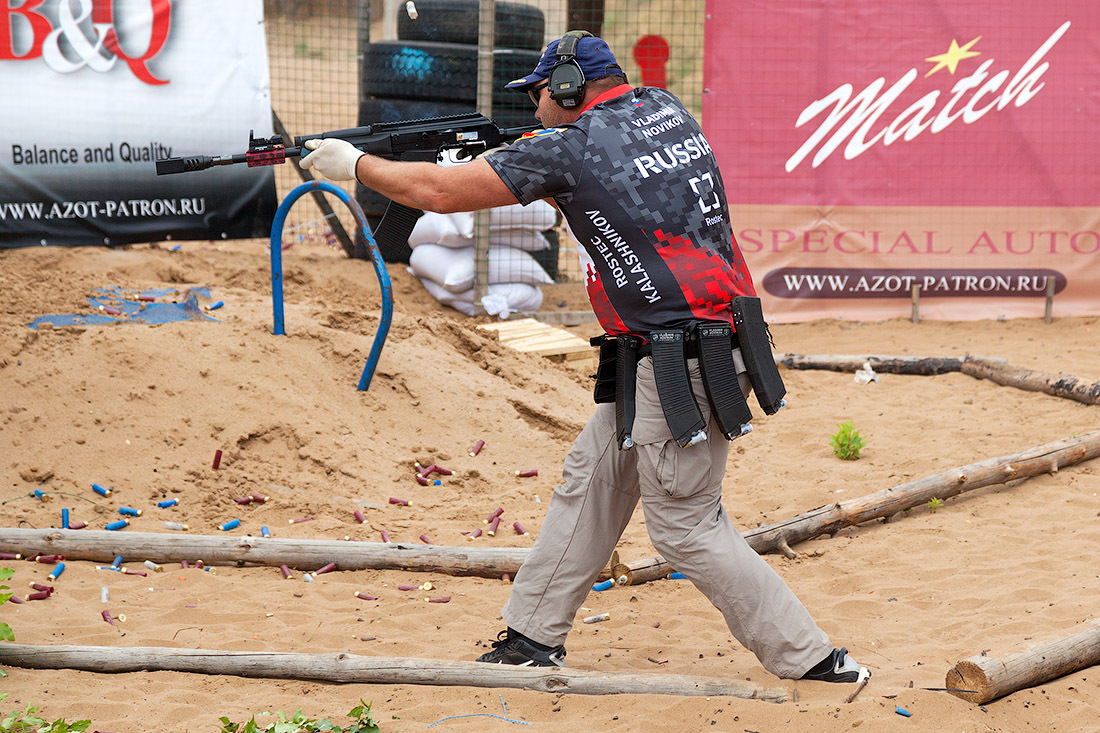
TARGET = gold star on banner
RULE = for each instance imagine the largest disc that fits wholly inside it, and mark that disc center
(954, 55)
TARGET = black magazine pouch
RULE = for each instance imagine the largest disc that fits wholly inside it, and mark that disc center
(626, 384)
(756, 348)
(727, 402)
(674, 387)
(604, 391)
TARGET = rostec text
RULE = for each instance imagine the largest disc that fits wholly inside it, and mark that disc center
(612, 246)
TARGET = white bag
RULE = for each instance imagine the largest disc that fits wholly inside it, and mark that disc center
(448, 230)
(506, 265)
(519, 296)
(537, 216)
(439, 264)
(525, 239)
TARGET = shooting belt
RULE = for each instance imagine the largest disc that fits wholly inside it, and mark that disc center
(711, 343)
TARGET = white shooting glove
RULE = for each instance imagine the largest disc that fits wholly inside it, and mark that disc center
(332, 158)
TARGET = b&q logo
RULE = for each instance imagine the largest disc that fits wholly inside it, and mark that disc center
(59, 33)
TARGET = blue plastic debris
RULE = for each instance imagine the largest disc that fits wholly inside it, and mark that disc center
(902, 711)
(121, 305)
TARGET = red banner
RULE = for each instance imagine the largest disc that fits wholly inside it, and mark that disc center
(951, 146)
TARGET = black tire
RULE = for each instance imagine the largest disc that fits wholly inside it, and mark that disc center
(455, 21)
(376, 109)
(442, 72)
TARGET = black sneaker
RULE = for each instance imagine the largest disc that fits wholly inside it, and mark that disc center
(837, 667)
(512, 647)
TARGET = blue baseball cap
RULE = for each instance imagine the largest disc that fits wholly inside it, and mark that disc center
(593, 55)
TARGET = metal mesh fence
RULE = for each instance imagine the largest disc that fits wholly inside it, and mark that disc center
(344, 63)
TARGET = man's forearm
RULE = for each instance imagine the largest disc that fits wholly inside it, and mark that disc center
(411, 183)
(430, 187)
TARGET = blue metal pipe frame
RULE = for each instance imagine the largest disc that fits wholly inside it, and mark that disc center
(372, 249)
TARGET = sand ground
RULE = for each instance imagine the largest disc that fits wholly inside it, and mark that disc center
(143, 409)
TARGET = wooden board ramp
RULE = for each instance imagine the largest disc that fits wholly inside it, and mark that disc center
(534, 337)
(344, 667)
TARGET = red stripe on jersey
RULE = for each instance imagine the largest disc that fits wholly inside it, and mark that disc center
(707, 281)
(601, 304)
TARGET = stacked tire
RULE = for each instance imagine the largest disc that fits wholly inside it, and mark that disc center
(431, 71)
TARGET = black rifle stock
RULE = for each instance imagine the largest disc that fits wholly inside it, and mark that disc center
(467, 135)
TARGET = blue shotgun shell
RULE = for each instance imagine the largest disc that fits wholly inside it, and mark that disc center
(117, 562)
(102, 491)
(40, 495)
(215, 306)
(118, 525)
(167, 503)
(605, 585)
(231, 524)
(56, 572)
(129, 511)
(64, 519)
(264, 531)
(676, 576)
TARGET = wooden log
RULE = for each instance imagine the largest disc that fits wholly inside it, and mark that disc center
(350, 668)
(925, 365)
(1059, 385)
(990, 678)
(635, 572)
(103, 546)
(831, 518)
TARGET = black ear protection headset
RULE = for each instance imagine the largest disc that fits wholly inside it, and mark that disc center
(566, 82)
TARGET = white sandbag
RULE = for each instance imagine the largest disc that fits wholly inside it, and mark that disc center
(538, 216)
(439, 264)
(519, 297)
(506, 265)
(448, 230)
(525, 239)
(461, 302)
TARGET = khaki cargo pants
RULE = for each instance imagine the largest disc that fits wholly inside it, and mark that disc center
(681, 494)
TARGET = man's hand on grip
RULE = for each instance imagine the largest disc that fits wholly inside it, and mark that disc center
(332, 158)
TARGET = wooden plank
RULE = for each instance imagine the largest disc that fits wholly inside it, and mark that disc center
(532, 337)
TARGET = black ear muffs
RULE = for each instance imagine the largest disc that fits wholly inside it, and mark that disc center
(566, 83)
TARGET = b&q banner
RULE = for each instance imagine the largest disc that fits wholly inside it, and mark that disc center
(868, 148)
(92, 92)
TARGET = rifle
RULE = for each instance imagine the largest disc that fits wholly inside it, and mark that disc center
(469, 135)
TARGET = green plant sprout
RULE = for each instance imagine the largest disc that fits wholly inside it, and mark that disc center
(934, 504)
(28, 721)
(362, 722)
(847, 442)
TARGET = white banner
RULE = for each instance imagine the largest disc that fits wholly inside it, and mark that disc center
(92, 92)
